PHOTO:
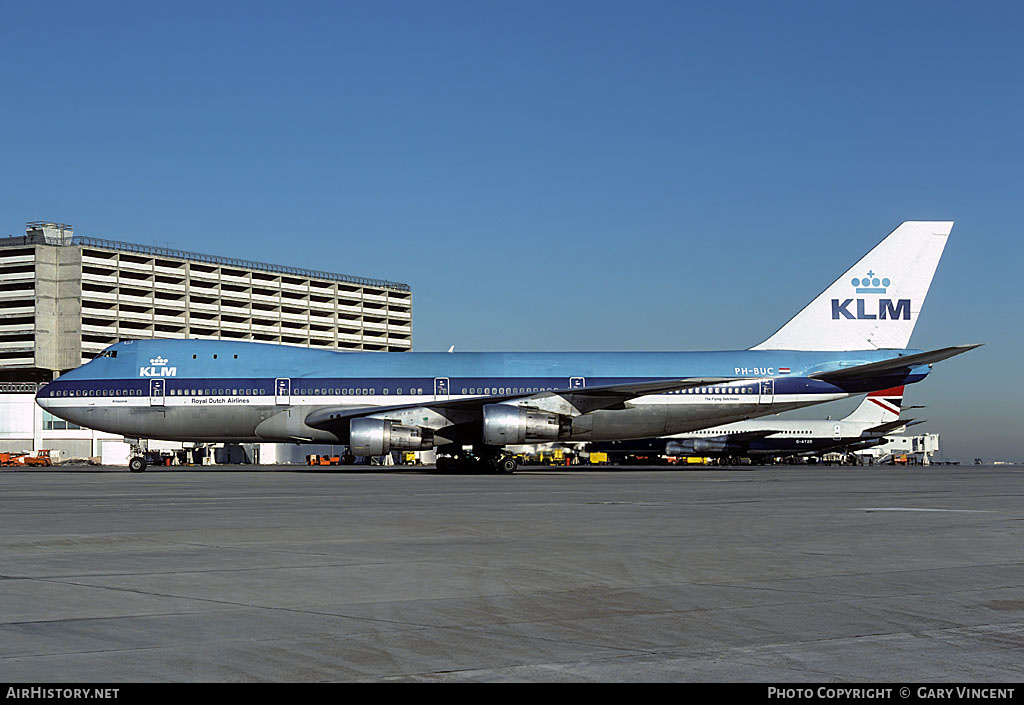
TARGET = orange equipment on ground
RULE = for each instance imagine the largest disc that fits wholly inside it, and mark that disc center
(323, 459)
(41, 458)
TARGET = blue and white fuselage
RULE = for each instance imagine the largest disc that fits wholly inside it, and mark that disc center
(239, 391)
(851, 339)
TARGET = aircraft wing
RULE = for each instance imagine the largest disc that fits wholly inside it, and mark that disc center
(572, 402)
(896, 364)
(583, 400)
(736, 442)
(891, 426)
(864, 443)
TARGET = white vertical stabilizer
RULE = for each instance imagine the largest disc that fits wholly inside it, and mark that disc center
(875, 304)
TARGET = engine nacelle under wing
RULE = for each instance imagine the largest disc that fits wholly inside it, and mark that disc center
(696, 446)
(512, 425)
(380, 436)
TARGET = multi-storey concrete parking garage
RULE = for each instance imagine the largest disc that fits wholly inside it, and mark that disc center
(64, 298)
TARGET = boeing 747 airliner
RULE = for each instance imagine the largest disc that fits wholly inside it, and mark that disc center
(851, 339)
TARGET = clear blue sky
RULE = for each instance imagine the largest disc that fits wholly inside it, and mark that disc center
(552, 175)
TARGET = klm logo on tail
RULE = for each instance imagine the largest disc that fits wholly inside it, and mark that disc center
(887, 310)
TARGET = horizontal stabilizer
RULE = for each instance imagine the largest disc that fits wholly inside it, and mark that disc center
(896, 364)
(889, 426)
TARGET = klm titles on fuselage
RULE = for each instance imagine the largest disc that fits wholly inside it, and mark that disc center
(158, 371)
(158, 368)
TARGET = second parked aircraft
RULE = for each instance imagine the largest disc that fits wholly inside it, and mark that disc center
(868, 425)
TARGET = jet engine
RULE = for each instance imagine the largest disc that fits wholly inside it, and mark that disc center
(510, 425)
(696, 446)
(380, 436)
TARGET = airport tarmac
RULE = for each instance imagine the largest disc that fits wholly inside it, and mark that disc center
(807, 574)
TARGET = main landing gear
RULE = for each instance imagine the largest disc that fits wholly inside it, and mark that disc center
(480, 460)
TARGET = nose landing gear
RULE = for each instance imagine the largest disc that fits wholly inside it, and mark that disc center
(137, 454)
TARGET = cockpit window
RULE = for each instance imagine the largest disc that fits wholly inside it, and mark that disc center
(108, 353)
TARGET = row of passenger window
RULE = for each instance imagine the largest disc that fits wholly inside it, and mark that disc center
(366, 391)
(717, 390)
(534, 390)
(298, 392)
(219, 392)
(97, 393)
(505, 390)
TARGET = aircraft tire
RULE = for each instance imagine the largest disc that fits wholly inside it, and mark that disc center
(137, 464)
(507, 466)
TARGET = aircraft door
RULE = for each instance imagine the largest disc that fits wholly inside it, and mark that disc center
(577, 382)
(441, 388)
(283, 391)
(766, 391)
(156, 392)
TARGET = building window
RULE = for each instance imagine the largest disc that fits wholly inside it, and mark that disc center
(53, 423)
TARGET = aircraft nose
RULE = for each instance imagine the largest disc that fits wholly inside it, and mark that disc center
(43, 396)
(46, 394)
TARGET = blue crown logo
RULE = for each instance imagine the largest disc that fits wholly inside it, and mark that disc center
(870, 284)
